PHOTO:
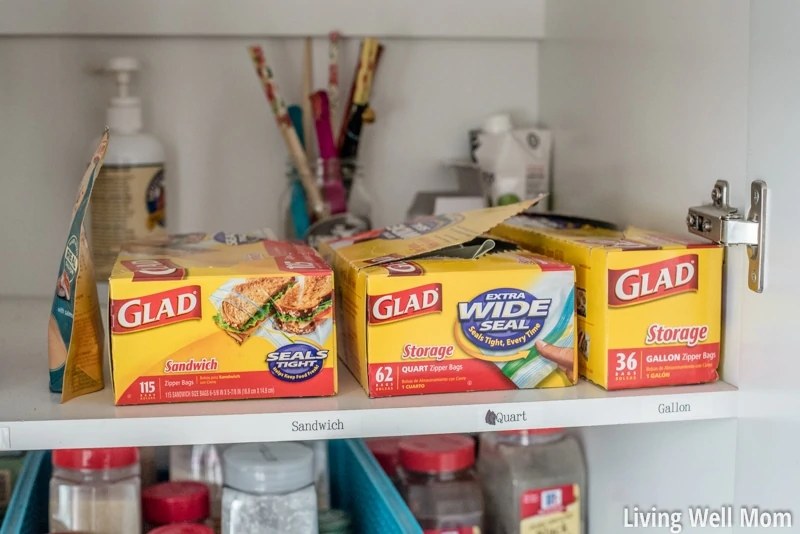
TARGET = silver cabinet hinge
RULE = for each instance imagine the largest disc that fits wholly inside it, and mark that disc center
(722, 224)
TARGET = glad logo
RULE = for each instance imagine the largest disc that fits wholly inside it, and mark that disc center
(654, 281)
(158, 309)
(152, 269)
(405, 304)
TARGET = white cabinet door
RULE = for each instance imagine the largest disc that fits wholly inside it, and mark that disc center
(768, 464)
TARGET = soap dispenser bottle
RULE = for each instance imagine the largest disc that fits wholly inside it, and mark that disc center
(128, 200)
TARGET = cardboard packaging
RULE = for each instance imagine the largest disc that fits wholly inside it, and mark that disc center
(75, 326)
(648, 304)
(433, 306)
(199, 317)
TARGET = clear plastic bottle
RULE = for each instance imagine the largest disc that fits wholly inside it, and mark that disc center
(534, 481)
(201, 463)
(175, 502)
(437, 481)
(269, 489)
(128, 201)
(96, 490)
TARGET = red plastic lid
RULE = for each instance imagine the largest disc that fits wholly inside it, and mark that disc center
(534, 431)
(96, 458)
(174, 502)
(436, 454)
(386, 451)
(182, 528)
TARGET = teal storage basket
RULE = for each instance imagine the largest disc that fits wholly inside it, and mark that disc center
(361, 488)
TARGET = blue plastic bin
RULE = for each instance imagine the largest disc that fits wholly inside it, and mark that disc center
(362, 488)
(358, 485)
(27, 510)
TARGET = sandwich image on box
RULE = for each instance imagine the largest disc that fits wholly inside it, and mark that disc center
(213, 317)
(436, 306)
(648, 304)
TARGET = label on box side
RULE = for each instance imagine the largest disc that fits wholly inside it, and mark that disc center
(470, 331)
(555, 509)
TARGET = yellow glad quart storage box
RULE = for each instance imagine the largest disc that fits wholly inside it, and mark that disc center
(433, 306)
(210, 317)
(648, 304)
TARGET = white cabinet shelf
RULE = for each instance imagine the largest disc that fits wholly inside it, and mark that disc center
(500, 19)
(32, 418)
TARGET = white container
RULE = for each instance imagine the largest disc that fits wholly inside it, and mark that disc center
(533, 480)
(128, 201)
(96, 490)
(269, 489)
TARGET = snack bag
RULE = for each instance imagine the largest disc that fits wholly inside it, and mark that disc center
(75, 329)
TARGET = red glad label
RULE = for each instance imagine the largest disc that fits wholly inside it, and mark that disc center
(627, 287)
(546, 500)
(154, 269)
(404, 268)
(662, 366)
(158, 309)
(405, 304)
(295, 258)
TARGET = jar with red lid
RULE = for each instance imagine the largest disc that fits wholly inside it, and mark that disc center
(437, 481)
(533, 480)
(386, 451)
(183, 528)
(175, 502)
(96, 490)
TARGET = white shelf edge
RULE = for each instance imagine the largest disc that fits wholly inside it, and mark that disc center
(32, 418)
(500, 19)
(162, 425)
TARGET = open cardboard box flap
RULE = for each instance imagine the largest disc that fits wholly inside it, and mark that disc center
(413, 239)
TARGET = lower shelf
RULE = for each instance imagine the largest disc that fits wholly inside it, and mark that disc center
(31, 417)
(358, 486)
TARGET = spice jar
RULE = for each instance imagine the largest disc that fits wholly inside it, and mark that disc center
(201, 463)
(269, 489)
(437, 481)
(385, 451)
(96, 490)
(183, 528)
(175, 502)
(533, 480)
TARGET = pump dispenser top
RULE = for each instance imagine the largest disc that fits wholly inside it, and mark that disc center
(124, 115)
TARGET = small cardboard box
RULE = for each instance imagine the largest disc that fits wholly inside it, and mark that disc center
(648, 304)
(198, 317)
(433, 306)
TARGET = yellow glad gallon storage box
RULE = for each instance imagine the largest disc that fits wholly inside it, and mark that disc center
(432, 306)
(199, 317)
(648, 304)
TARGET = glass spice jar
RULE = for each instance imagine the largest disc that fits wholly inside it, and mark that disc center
(534, 481)
(175, 502)
(97, 490)
(269, 489)
(386, 451)
(438, 482)
(183, 528)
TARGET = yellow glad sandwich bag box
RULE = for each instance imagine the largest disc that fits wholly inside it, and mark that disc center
(199, 317)
(432, 306)
(648, 304)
